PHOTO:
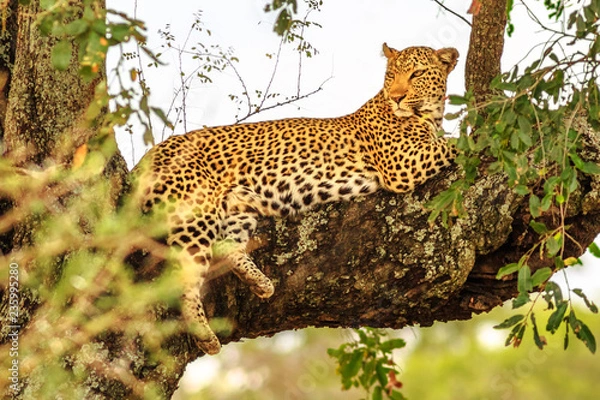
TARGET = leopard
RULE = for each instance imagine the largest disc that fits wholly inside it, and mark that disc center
(210, 186)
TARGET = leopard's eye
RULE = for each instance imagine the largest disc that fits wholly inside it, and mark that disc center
(417, 73)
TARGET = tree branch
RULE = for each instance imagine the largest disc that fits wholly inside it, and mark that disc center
(377, 262)
(486, 45)
(439, 3)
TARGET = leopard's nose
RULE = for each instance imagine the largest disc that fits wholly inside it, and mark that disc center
(398, 98)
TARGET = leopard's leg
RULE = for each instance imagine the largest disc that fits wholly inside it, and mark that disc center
(194, 256)
(237, 230)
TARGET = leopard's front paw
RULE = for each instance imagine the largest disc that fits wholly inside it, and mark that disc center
(263, 288)
(210, 346)
(205, 338)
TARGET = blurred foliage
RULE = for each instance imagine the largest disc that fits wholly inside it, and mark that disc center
(462, 360)
(290, 365)
(368, 363)
(92, 294)
(530, 130)
(465, 360)
(286, 9)
(71, 260)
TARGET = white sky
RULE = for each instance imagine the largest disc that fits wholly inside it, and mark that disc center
(349, 44)
(350, 54)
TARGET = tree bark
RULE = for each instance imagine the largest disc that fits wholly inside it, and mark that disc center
(42, 115)
(374, 262)
(486, 45)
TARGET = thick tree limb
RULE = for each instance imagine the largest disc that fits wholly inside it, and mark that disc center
(376, 262)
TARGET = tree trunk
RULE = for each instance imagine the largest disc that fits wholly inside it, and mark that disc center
(42, 114)
(374, 262)
(486, 45)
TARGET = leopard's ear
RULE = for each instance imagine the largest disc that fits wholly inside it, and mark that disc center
(448, 56)
(388, 52)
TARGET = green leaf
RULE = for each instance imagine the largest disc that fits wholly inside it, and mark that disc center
(569, 178)
(351, 368)
(392, 344)
(396, 395)
(507, 270)
(521, 300)
(546, 202)
(382, 372)
(540, 276)
(535, 208)
(556, 317)
(76, 27)
(283, 22)
(553, 245)
(120, 32)
(586, 167)
(162, 116)
(538, 227)
(452, 116)
(377, 393)
(516, 335)
(524, 283)
(507, 323)
(554, 290)
(536, 335)
(524, 130)
(61, 55)
(514, 140)
(336, 352)
(584, 334)
(590, 304)
(522, 190)
(566, 340)
(559, 263)
(594, 250)
(457, 100)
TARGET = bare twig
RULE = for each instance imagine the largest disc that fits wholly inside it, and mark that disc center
(439, 3)
(243, 83)
(182, 80)
(275, 68)
(141, 75)
(286, 102)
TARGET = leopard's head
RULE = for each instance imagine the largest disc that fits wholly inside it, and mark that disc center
(415, 80)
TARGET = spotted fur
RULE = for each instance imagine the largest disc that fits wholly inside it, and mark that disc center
(210, 185)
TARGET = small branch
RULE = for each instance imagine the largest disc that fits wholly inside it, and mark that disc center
(243, 83)
(439, 3)
(275, 67)
(283, 103)
(182, 80)
(142, 78)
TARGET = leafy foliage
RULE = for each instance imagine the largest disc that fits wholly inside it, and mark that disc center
(527, 132)
(286, 9)
(368, 363)
(93, 30)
